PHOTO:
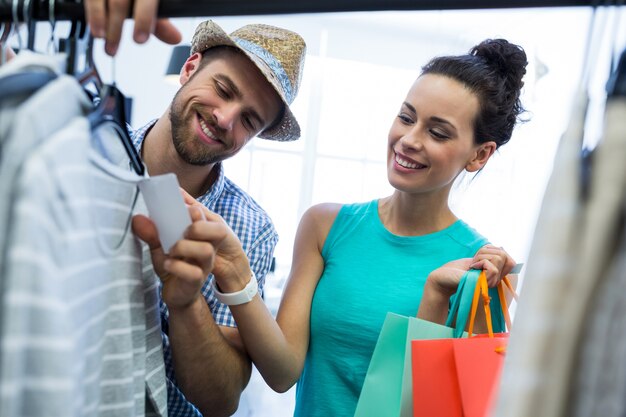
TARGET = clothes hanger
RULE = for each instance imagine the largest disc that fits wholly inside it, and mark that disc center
(110, 112)
(23, 82)
(31, 24)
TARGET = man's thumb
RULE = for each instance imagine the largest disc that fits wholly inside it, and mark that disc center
(146, 230)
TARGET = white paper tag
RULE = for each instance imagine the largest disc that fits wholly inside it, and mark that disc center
(166, 208)
(517, 269)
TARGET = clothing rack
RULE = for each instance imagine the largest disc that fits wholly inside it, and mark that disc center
(40, 10)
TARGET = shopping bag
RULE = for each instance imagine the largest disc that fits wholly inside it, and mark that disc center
(387, 389)
(458, 377)
(478, 364)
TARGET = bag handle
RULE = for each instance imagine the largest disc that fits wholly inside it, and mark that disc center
(482, 289)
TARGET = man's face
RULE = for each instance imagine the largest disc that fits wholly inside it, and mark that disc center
(220, 107)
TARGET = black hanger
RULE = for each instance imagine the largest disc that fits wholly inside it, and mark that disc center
(77, 46)
(111, 111)
(31, 24)
(110, 107)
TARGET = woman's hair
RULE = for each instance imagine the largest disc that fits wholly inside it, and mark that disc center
(492, 70)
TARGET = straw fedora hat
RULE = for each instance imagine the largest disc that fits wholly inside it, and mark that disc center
(279, 55)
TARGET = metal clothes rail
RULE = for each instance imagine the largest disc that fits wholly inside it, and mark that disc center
(40, 10)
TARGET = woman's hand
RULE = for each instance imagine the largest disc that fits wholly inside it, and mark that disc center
(494, 261)
(445, 279)
(443, 282)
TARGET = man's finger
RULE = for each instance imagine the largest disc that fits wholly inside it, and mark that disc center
(146, 230)
(144, 14)
(185, 270)
(95, 11)
(166, 32)
(201, 254)
(188, 198)
(116, 14)
(196, 213)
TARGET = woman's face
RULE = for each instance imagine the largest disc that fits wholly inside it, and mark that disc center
(432, 139)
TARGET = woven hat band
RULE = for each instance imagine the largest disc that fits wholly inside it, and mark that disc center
(273, 64)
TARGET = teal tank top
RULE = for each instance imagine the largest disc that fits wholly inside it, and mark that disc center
(368, 272)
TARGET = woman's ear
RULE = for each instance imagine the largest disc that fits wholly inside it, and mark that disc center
(482, 154)
(190, 67)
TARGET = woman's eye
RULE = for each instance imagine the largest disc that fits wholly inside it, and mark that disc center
(404, 118)
(439, 135)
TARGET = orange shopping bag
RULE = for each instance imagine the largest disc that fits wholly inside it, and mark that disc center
(458, 377)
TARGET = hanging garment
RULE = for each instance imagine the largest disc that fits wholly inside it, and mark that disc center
(12, 153)
(599, 374)
(529, 382)
(79, 322)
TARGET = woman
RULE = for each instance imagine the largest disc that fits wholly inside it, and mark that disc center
(354, 263)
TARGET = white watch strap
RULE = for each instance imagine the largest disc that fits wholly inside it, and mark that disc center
(239, 297)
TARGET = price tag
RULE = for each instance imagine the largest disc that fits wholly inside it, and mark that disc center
(166, 208)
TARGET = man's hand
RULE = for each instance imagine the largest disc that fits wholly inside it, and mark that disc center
(106, 17)
(184, 270)
(208, 246)
(231, 265)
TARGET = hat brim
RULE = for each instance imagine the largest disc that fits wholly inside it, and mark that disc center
(287, 129)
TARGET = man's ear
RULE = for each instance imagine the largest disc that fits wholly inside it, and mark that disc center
(190, 67)
(482, 154)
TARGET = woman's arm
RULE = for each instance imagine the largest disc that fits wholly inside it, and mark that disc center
(278, 347)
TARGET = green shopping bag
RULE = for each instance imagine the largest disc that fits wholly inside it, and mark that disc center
(388, 388)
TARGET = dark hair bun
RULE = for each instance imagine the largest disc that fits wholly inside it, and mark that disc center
(493, 70)
(507, 59)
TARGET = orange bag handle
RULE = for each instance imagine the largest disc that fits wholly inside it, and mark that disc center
(483, 289)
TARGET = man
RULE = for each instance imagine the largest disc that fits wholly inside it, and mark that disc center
(234, 87)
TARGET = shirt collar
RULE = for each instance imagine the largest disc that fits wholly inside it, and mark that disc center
(208, 199)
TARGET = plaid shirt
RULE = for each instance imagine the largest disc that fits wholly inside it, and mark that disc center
(254, 228)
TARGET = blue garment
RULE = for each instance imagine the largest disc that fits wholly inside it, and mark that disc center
(368, 272)
(258, 236)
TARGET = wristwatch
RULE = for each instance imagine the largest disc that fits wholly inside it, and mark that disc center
(238, 297)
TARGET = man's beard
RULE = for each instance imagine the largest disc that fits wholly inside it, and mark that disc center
(187, 145)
